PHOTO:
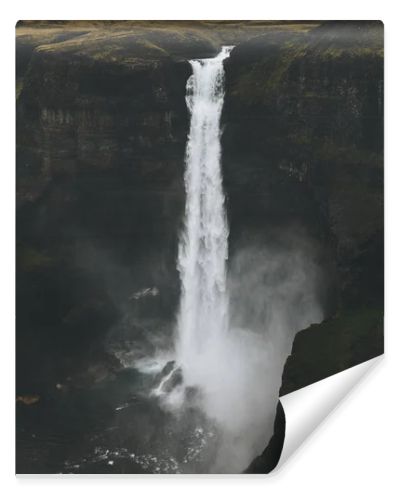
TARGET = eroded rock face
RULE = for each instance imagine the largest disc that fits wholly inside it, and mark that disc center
(100, 151)
(304, 139)
(306, 110)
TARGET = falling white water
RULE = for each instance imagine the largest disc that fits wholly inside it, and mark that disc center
(203, 249)
(230, 347)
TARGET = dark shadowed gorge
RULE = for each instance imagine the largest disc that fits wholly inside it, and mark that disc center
(102, 126)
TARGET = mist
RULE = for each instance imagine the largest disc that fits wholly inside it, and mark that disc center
(273, 293)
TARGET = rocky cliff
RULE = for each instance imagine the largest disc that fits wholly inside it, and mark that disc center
(304, 137)
(101, 132)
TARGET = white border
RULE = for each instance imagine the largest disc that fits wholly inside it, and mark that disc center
(306, 408)
(355, 452)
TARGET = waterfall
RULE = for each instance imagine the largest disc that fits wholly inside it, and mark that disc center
(230, 348)
(203, 248)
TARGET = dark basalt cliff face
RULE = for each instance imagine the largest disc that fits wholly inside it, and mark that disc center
(101, 132)
(304, 137)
